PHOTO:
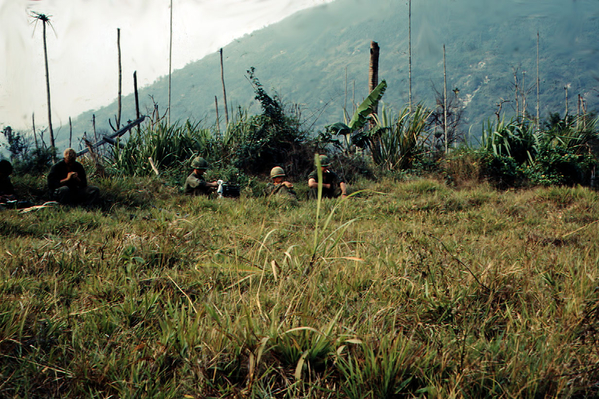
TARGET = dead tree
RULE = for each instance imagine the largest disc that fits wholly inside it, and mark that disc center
(222, 78)
(136, 98)
(111, 138)
(373, 72)
(118, 44)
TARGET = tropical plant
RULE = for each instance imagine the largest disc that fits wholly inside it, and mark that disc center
(45, 19)
(360, 118)
(394, 144)
(577, 134)
(516, 139)
(169, 146)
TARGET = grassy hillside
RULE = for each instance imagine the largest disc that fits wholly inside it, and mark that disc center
(305, 58)
(412, 290)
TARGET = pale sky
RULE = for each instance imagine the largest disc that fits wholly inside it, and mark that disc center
(82, 48)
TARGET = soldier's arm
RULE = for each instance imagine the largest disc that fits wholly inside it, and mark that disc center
(343, 188)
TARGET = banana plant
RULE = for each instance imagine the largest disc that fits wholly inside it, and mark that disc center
(361, 116)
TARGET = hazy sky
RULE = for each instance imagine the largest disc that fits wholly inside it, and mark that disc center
(82, 47)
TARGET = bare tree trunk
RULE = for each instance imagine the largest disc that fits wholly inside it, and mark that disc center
(345, 113)
(34, 134)
(217, 117)
(52, 143)
(222, 78)
(445, 100)
(136, 99)
(538, 84)
(373, 72)
(170, 58)
(523, 94)
(70, 133)
(94, 126)
(516, 93)
(118, 114)
(410, 55)
(353, 97)
(566, 115)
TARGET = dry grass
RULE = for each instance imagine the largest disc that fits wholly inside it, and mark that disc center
(428, 292)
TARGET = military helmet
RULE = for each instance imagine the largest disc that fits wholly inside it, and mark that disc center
(324, 161)
(199, 163)
(277, 171)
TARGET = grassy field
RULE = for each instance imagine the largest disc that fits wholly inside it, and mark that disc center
(409, 289)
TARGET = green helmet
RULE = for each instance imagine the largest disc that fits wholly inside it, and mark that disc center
(277, 171)
(324, 161)
(199, 163)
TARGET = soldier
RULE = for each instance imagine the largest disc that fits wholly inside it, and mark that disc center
(195, 184)
(280, 186)
(7, 191)
(333, 186)
(67, 182)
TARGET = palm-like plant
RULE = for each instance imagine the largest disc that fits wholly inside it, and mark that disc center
(516, 139)
(45, 19)
(394, 143)
(575, 134)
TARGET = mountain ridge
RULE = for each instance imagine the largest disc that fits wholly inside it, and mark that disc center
(305, 58)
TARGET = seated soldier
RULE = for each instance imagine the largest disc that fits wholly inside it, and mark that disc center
(67, 182)
(7, 191)
(332, 185)
(280, 186)
(195, 184)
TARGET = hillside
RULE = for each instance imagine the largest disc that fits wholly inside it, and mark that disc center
(305, 57)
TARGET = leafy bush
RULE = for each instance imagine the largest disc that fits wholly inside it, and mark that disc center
(501, 170)
(23, 158)
(272, 138)
(560, 166)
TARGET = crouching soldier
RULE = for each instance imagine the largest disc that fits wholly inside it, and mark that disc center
(67, 182)
(280, 186)
(195, 184)
(333, 186)
(7, 191)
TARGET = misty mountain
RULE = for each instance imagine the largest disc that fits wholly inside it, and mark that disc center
(318, 58)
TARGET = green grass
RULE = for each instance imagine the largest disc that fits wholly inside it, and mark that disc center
(428, 292)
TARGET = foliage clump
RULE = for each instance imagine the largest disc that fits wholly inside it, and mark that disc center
(272, 138)
(24, 157)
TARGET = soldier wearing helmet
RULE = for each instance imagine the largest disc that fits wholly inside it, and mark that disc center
(195, 184)
(280, 186)
(333, 185)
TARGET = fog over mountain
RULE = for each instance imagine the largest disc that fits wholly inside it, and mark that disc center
(306, 58)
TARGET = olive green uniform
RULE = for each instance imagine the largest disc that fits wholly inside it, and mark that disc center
(280, 190)
(328, 177)
(196, 185)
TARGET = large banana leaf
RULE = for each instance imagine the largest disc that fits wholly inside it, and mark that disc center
(338, 128)
(361, 115)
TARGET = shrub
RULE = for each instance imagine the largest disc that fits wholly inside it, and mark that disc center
(502, 171)
(24, 159)
(560, 166)
(272, 138)
(462, 166)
